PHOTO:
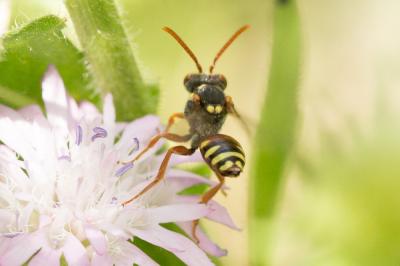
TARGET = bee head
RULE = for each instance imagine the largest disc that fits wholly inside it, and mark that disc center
(208, 91)
(194, 81)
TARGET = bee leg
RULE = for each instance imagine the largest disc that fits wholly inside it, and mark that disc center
(181, 150)
(206, 198)
(156, 138)
(172, 118)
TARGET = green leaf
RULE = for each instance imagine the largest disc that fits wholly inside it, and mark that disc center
(277, 130)
(26, 54)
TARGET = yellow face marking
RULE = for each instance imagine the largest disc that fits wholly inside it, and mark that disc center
(239, 164)
(204, 143)
(218, 109)
(210, 109)
(211, 151)
(225, 155)
(226, 166)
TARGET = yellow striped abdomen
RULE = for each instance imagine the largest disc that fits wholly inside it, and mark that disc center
(223, 154)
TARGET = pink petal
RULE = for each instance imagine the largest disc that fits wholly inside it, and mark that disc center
(89, 111)
(32, 113)
(137, 256)
(143, 129)
(22, 247)
(101, 260)
(46, 256)
(205, 243)
(55, 100)
(97, 239)
(217, 213)
(179, 159)
(179, 245)
(177, 213)
(4, 16)
(13, 134)
(180, 180)
(74, 251)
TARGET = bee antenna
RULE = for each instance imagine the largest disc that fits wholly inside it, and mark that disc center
(227, 44)
(184, 46)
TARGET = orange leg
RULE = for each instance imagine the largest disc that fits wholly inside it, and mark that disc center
(172, 118)
(181, 150)
(156, 138)
(206, 198)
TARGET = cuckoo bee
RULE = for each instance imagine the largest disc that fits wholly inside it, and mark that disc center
(205, 111)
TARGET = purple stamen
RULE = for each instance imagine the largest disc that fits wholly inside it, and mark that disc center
(125, 168)
(78, 135)
(11, 235)
(100, 133)
(134, 148)
(65, 157)
(114, 200)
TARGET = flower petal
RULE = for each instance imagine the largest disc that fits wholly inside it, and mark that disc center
(108, 111)
(177, 213)
(101, 260)
(22, 247)
(55, 100)
(217, 213)
(205, 243)
(179, 245)
(97, 239)
(180, 180)
(46, 256)
(75, 252)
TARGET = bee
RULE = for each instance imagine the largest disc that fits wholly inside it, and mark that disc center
(205, 112)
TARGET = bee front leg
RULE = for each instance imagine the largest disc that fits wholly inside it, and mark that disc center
(156, 138)
(172, 118)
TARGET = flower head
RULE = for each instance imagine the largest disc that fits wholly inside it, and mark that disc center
(61, 187)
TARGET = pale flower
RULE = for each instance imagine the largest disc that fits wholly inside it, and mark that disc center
(61, 187)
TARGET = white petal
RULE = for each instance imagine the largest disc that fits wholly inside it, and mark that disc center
(56, 101)
(46, 256)
(108, 111)
(75, 252)
(179, 245)
(205, 243)
(177, 213)
(97, 239)
(4, 16)
(98, 260)
(22, 247)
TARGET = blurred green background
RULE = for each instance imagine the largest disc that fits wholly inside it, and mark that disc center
(339, 203)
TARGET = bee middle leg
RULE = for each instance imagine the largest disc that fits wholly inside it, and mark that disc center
(181, 150)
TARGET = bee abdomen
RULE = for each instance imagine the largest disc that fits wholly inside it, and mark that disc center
(223, 154)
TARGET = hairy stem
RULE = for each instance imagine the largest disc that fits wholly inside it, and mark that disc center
(110, 57)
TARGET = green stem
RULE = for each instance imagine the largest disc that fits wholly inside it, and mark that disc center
(110, 57)
(276, 132)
